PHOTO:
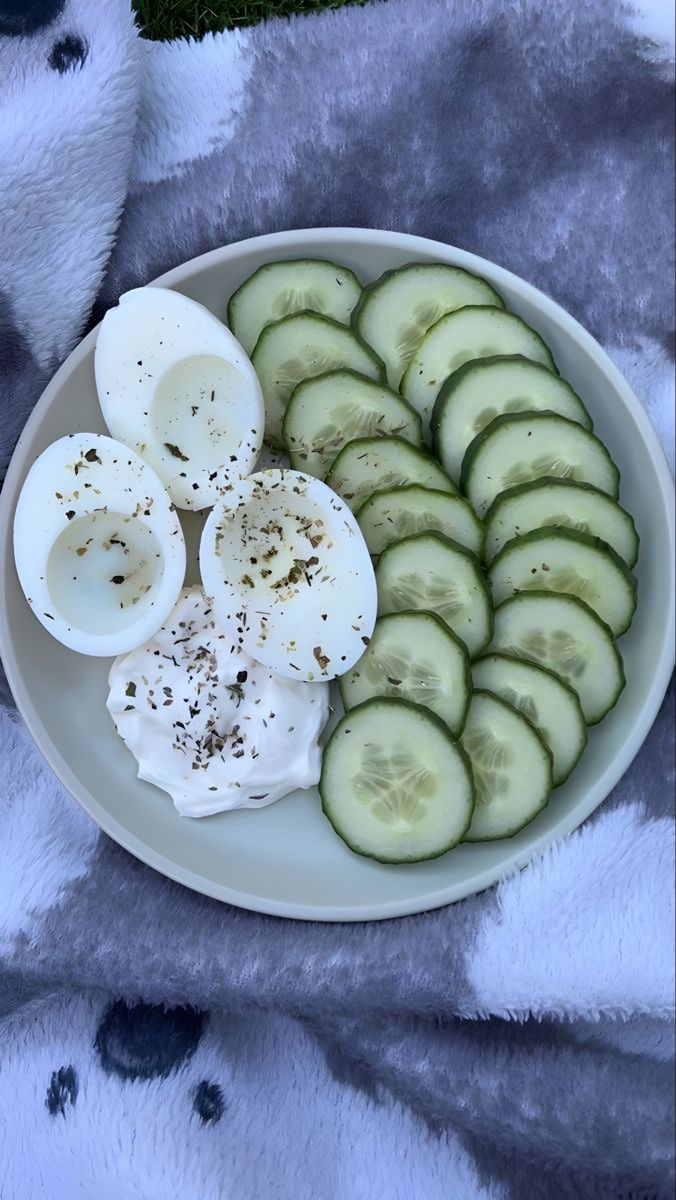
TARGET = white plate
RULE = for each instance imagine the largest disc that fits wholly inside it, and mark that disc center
(285, 859)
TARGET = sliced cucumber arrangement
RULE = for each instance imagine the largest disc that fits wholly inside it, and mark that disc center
(471, 332)
(511, 766)
(398, 512)
(279, 289)
(396, 311)
(413, 656)
(429, 571)
(548, 703)
(521, 447)
(300, 347)
(472, 698)
(560, 560)
(395, 785)
(485, 388)
(563, 634)
(370, 463)
(327, 412)
(562, 502)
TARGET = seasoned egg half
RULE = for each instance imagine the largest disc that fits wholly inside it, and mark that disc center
(98, 546)
(176, 386)
(289, 574)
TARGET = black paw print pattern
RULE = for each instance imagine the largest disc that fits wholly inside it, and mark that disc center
(68, 53)
(147, 1041)
(141, 1042)
(62, 1091)
(208, 1102)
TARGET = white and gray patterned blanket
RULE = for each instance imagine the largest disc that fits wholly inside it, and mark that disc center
(158, 1045)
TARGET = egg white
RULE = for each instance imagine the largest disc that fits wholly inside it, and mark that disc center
(177, 387)
(98, 546)
(289, 574)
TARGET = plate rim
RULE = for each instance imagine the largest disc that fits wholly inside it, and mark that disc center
(425, 901)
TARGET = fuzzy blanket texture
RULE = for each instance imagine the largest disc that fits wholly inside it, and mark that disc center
(158, 1045)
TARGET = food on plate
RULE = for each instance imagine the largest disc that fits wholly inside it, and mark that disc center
(299, 347)
(429, 572)
(571, 563)
(521, 447)
(370, 464)
(327, 412)
(468, 333)
(484, 388)
(563, 634)
(395, 312)
(549, 703)
(279, 289)
(502, 560)
(289, 574)
(511, 766)
(413, 656)
(395, 785)
(98, 546)
(210, 725)
(566, 502)
(503, 423)
(395, 513)
(175, 386)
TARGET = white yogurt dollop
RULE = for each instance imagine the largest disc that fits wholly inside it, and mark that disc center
(207, 723)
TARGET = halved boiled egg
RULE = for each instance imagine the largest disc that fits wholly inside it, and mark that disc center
(289, 575)
(98, 546)
(176, 386)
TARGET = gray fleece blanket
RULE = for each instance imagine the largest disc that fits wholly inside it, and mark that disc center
(158, 1045)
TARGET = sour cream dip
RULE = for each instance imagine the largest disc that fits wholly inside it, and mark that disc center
(210, 725)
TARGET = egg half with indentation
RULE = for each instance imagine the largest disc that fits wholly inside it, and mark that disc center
(176, 386)
(289, 575)
(98, 546)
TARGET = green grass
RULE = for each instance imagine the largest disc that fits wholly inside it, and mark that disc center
(162, 19)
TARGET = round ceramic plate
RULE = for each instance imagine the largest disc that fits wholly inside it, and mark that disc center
(285, 859)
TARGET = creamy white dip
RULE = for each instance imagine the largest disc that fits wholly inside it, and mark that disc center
(207, 723)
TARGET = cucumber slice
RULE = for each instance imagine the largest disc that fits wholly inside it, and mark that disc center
(395, 513)
(485, 388)
(471, 332)
(396, 311)
(429, 571)
(511, 765)
(300, 347)
(563, 502)
(413, 656)
(395, 785)
(327, 412)
(563, 634)
(521, 447)
(548, 702)
(279, 289)
(560, 560)
(370, 464)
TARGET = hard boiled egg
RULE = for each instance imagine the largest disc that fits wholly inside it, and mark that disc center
(289, 574)
(176, 387)
(98, 546)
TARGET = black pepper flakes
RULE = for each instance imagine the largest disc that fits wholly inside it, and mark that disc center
(176, 452)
